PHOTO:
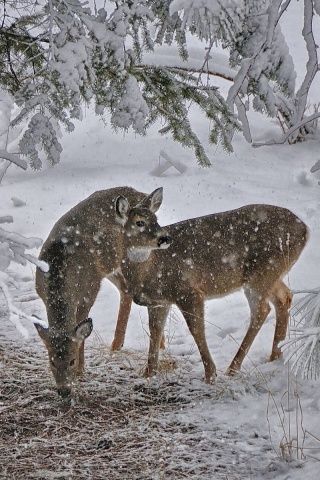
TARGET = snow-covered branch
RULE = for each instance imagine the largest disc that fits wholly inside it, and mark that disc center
(259, 61)
(264, 44)
(312, 65)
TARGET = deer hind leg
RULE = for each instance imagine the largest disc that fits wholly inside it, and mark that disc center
(259, 308)
(192, 309)
(281, 299)
(157, 320)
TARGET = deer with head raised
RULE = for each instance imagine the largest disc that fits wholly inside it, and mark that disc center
(83, 247)
(195, 260)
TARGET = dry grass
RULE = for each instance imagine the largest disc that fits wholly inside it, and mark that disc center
(116, 426)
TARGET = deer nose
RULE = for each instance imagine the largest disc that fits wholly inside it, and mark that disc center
(164, 241)
(64, 392)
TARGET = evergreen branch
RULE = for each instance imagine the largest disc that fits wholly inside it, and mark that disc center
(11, 66)
(200, 71)
(56, 59)
(23, 38)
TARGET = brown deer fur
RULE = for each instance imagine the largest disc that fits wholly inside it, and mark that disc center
(84, 247)
(252, 247)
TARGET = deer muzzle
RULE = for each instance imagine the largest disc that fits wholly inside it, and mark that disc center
(164, 241)
(64, 392)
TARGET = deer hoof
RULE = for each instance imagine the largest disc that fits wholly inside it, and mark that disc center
(147, 373)
(275, 355)
(115, 346)
(211, 379)
(231, 371)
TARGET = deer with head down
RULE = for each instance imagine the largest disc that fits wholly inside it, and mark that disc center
(195, 260)
(83, 247)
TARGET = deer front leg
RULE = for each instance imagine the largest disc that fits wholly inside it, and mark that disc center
(86, 298)
(122, 322)
(157, 319)
(81, 360)
(192, 308)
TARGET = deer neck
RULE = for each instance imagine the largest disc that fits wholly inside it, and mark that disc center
(138, 255)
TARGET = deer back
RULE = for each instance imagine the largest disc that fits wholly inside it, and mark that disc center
(218, 254)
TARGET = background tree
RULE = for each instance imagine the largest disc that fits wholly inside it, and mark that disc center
(57, 55)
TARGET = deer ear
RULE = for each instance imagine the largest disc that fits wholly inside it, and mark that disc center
(83, 330)
(42, 331)
(122, 207)
(153, 201)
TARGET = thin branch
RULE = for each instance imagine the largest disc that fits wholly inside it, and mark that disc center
(289, 132)
(14, 159)
(284, 7)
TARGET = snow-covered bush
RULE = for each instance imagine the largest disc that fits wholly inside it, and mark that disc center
(13, 249)
(302, 349)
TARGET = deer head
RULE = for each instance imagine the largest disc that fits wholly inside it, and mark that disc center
(142, 231)
(64, 351)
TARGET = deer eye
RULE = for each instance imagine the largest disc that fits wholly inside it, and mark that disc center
(140, 223)
(72, 362)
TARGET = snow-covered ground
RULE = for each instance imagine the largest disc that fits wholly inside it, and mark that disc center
(250, 425)
(259, 410)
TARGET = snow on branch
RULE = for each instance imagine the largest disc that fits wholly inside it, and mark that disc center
(302, 349)
(12, 249)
